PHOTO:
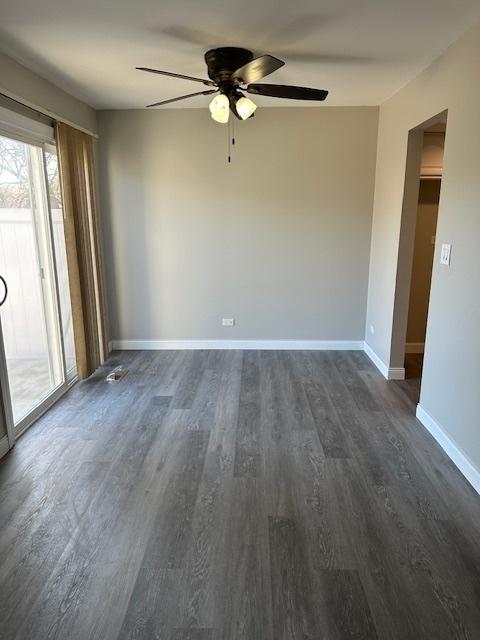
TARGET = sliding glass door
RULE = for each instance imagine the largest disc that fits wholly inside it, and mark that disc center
(36, 316)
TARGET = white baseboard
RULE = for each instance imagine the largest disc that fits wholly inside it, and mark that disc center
(295, 345)
(415, 347)
(471, 473)
(4, 448)
(390, 373)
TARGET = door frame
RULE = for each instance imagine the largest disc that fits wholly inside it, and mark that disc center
(5, 399)
(407, 239)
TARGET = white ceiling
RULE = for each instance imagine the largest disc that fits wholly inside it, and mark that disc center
(361, 50)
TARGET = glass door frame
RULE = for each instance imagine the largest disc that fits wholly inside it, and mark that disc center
(43, 143)
(5, 399)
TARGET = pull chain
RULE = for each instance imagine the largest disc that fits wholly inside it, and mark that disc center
(231, 138)
(228, 137)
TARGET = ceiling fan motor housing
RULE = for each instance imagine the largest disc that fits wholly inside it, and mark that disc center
(224, 61)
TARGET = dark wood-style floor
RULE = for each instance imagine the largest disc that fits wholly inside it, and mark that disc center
(237, 495)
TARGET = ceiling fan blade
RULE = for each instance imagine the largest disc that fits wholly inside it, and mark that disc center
(256, 69)
(287, 91)
(189, 95)
(209, 83)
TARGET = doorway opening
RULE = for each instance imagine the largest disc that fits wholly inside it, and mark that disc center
(423, 249)
(423, 180)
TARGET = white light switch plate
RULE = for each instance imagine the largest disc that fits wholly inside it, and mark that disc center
(228, 322)
(445, 254)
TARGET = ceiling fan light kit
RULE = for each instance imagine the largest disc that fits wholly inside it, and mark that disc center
(234, 71)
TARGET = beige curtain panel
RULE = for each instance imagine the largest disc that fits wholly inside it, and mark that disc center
(82, 237)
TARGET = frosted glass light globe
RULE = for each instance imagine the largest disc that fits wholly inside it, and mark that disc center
(220, 108)
(245, 107)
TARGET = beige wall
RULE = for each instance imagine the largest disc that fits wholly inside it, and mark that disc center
(19, 82)
(279, 239)
(425, 230)
(451, 376)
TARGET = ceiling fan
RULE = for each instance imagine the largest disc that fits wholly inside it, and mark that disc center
(229, 70)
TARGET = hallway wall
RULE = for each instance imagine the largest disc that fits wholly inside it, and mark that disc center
(451, 376)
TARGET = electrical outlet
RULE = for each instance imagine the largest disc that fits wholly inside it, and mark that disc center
(372, 329)
(228, 322)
